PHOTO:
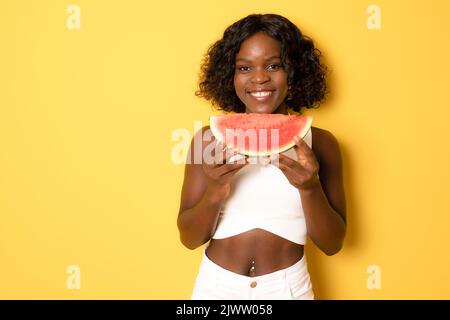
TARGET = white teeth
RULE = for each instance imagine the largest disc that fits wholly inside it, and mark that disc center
(260, 94)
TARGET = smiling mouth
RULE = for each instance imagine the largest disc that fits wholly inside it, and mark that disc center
(261, 95)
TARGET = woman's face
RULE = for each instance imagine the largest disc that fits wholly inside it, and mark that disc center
(258, 69)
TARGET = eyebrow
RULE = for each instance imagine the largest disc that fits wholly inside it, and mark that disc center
(267, 59)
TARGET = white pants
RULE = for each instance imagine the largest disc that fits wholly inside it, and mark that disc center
(216, 283)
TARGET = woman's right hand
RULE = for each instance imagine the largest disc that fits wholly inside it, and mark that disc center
(220, 172)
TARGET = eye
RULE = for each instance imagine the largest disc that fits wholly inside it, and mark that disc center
(275, 66)
(240, 68)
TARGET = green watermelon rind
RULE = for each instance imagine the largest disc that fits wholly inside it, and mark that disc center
(301, 134)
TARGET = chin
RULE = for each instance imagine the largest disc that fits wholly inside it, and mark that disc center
(261, 109)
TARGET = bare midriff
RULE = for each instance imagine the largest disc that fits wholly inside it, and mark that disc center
(253, 253)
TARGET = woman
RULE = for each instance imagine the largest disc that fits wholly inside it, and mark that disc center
(257, 217)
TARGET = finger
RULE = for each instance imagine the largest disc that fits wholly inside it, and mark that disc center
(291, 163)
(287, 171)
(227, 154)
(224, 152)
(213, 158)
(301, 146)
(225, 168)
(217, 171)
(224, 159)
(229, 175)
(230, 152)
(293, 177)
(291, 167)
(286, 160)
(237, 158)
(221, 154)
(305, 155)
(210, 172)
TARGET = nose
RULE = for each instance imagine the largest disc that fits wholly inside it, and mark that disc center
(260, 76)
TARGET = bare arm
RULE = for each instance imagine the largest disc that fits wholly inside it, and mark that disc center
(205, 187)
(199, 209)
(321, 190)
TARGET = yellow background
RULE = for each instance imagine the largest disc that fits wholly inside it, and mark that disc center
(86, 118)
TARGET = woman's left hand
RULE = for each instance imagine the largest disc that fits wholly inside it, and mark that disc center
(302, 173)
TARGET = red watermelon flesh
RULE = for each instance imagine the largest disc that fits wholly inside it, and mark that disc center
(259, 134)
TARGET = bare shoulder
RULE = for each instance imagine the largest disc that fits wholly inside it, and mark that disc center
(202, 135)
(201, 139)
(206, 136)
(204, 131)
(325, 145)
(207, 133)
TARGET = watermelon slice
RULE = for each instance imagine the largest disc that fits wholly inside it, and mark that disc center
(258, 134)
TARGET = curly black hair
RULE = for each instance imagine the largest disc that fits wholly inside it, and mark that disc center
(307, 85)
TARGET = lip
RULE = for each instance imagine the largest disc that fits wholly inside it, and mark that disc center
(261, 99)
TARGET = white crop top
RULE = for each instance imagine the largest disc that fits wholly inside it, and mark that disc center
(262, 197)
